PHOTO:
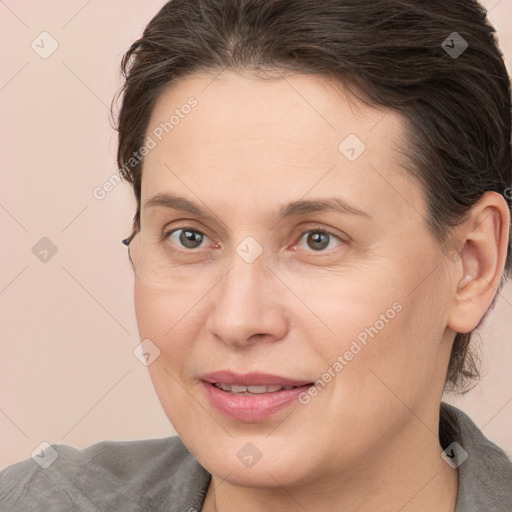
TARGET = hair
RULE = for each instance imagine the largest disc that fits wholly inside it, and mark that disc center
(457, 107)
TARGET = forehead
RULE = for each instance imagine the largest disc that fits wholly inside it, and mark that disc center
(277, 138)
(313, 110)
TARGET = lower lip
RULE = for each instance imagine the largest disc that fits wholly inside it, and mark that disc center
(252, 408)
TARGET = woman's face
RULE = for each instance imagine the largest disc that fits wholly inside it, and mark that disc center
(260, 278)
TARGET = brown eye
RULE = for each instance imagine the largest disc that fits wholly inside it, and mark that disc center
(318, 240)
(186, 237)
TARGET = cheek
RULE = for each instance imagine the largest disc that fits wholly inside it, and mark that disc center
(156, 313)
(375, 335)
(165, 313)
(172, 320)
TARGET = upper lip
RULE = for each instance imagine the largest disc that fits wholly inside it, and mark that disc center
(251, 379)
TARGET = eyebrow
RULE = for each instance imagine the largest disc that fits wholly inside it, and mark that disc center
(293, 209)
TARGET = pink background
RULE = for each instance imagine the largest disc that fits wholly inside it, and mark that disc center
(67, 369)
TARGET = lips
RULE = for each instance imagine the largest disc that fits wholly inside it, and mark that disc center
(230, 393)
(250, 390)
(251, 379)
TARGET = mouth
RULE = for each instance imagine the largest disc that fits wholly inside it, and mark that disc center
(253, 382)
(253, 390)
(252, 397)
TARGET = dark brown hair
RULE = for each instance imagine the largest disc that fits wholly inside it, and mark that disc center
(396, 53)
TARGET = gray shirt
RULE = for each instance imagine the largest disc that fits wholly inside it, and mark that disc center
(162, 475)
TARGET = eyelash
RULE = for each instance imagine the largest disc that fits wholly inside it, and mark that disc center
(302, 232)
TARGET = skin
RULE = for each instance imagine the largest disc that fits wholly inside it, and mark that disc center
(368, 441)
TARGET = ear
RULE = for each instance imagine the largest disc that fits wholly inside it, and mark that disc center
(479, 268)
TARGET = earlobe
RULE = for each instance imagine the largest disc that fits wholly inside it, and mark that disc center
(478, 272)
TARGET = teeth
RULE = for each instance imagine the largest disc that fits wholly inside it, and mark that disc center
(251, 390)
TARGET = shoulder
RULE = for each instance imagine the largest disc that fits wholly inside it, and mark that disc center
(485, 470)
(145, 475)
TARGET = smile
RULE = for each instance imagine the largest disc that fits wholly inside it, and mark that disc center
(250, 390)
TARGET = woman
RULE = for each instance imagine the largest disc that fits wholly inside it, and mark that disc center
(323, 218)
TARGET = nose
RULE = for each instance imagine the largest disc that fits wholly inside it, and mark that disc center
(247, 305)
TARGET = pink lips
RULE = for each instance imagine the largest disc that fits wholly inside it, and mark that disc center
(251, 408)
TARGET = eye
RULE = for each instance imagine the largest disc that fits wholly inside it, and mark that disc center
(189, 238)
(319, 239)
